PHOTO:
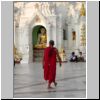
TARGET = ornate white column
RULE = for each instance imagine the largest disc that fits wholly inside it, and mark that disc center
(53, 29)
(77, 41)
(14, 31)
(59, 32)
(23, 43)
(69, 36)
(30, 43)
(48, 25)
(16, 34)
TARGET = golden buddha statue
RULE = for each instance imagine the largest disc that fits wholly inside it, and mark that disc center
(82, 10)
(42, 39)
(63, 54)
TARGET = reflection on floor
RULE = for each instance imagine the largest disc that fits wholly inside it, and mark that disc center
(29, 82)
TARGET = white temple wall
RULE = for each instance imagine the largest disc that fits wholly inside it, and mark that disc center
(54, 21)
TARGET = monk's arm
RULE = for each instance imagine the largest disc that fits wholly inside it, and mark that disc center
(59, 58)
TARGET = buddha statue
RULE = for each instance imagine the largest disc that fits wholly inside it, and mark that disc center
(42, 39)
(82, 10)
(63, 55)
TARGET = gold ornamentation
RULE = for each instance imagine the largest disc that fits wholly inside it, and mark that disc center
(42, 39)
(17, 55)
(82, 10)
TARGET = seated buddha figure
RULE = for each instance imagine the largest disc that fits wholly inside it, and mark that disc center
(42, 39)
(63, 55)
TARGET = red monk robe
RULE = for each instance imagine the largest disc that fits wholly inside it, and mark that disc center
(49, 64)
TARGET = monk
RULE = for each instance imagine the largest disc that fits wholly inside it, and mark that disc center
(49, 63)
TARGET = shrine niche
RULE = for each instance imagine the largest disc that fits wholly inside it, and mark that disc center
(73, 35)
(39, 38)
(64, 35)
(39, 35)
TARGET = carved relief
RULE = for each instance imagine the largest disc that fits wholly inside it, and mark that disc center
(37, 19)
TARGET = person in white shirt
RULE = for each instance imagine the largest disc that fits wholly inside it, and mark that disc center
(73, 57)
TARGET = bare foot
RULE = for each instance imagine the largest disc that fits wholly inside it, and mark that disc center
(49, 87)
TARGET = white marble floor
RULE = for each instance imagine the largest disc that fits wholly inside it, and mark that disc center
(29, 82)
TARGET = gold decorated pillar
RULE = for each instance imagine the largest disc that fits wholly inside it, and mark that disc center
(83, 28)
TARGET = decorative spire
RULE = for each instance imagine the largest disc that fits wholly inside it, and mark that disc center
(36, 6)
(37, 19)
(82, 10)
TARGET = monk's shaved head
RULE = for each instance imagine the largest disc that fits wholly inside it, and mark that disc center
(51, 42)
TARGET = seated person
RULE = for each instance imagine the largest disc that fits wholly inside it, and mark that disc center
(81, 58)
(73, 57)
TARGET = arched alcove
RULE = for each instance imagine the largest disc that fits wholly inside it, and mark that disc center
(35, 33)
(37, 52)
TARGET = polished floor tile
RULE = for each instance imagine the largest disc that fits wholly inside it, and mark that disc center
(29, 82)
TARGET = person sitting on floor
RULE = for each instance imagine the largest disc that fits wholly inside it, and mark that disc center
(73, 57)
(81, 58)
